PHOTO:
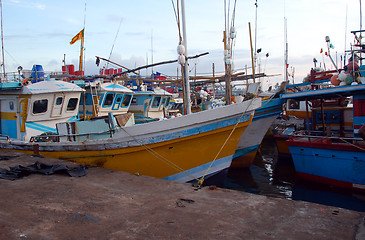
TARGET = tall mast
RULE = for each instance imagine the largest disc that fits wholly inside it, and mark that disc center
(81, 54)
(256, 5)
(2, 38)
(252, 54)
(82, 44)
(185, 66)
(286, 52)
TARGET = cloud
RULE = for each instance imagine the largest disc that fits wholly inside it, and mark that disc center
(40, 6)
(26, 4)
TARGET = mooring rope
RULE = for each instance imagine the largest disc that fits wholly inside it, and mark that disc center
(159, 156)
(176, 167)
(201, 180)
(358, 147)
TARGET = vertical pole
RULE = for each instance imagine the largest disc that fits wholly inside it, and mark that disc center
(213, 80)
(82, 43)
(307, 116)
(186, 65)
(81, 52)
(252, 56)
(2, 37)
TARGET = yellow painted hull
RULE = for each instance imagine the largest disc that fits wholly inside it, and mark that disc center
(160, 159)
(283, 148)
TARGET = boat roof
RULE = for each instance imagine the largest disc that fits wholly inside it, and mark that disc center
(114, 87)
(160, 91)
(156, 91)
(50, 86)
(326, 93)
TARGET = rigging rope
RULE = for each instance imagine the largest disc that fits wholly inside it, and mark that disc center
(177, 17)
(201, 180)
(159, 156)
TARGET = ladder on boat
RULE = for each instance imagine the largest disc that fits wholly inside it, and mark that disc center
(94, 99)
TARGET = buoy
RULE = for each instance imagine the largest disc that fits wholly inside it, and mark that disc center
(181, 59)
(180, 49)
(349, 79)
(335, 81)
(342, 76)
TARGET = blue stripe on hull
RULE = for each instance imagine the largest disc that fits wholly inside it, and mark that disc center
(346, 166)
(199, 171)
(244, 151)
(40, 127)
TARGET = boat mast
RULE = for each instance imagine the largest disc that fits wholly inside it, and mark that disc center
(286, 52)
(185, 65)
(2, 38)
(360, 33)
(252, 54)
(229, 35)
(82, 44)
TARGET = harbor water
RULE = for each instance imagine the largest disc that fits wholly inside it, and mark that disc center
(275, 176)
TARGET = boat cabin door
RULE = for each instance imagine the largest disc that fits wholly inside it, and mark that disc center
(58, 102)
(9, 123)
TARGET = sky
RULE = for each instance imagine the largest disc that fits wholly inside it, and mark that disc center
(139, 32)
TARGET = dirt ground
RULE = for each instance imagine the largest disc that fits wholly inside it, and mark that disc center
(106, 204)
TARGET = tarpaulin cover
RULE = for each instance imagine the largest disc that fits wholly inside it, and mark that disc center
(47, 169)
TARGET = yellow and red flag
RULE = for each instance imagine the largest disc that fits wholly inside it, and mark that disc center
(78, 36)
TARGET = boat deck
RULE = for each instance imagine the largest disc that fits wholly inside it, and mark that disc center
(106, 204)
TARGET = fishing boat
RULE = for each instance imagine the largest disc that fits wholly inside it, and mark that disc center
(182, 148)
(36, 108)
(329, 156)
(327, 152)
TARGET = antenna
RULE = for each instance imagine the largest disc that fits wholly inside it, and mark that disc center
(152, 49)
(115, 39)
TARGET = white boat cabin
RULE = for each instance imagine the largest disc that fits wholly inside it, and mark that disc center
(102, 98)
(36, 108)
(150, 104)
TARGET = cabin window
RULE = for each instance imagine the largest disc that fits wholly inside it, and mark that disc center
(11, 105)
(72, 104)
(126, 100)
(117, 103)
(167, 102)
(59, 100)
(293, 104)
(40, 106)
(108, 100)
(163, 101)
(134, 101)
(156, 101)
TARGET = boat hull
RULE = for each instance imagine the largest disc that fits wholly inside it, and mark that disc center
(283, 149)
(180, 149)
(252, 137)
(334, 164)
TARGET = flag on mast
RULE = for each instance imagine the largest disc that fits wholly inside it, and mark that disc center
(78, 36)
